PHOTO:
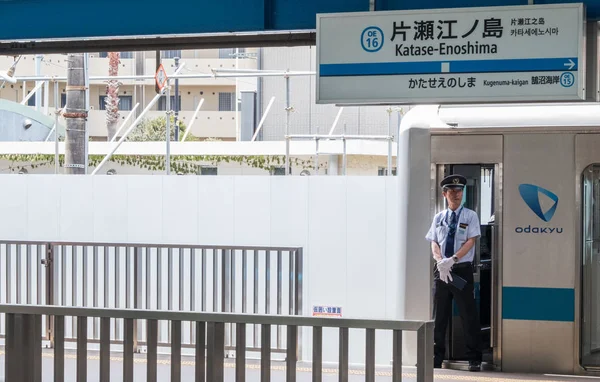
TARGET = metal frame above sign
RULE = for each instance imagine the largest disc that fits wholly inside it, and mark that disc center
(532, 53)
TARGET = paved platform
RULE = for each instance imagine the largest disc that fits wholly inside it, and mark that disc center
(277, 371)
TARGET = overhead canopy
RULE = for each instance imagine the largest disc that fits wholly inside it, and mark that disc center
(61, 26)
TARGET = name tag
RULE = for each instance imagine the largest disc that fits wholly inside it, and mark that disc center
(462, 230)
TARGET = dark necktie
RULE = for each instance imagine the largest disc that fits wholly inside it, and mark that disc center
(451, 232)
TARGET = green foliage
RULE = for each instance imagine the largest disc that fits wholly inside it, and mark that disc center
(155, 130)
(180, 164)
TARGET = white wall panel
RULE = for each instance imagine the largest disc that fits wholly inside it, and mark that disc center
(13, 209)
(109, 203)
(76, 211)
(289, 211)
(365, 253)
(180, 210)
(145, 209)
(43, 198)
(252, 205)
(215, 209)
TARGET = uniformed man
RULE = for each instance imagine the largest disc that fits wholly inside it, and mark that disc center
(452, 235)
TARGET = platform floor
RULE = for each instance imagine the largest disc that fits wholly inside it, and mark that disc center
(277, 371)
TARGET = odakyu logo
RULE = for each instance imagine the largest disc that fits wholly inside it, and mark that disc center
(531, 196)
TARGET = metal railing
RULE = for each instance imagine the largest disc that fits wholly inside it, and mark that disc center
(265, 280)
(23, 360)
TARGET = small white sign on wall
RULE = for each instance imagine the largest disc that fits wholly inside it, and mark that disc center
(327, 311)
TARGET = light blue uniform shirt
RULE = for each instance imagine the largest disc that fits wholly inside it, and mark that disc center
(467, 227)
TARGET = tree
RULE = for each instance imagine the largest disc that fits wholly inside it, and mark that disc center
(154, 130)
(75, 115)
(112, 95)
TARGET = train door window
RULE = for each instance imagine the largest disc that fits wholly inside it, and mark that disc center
(590, 318)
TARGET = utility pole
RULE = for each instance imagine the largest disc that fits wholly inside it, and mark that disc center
(176, 102)
(75, 115)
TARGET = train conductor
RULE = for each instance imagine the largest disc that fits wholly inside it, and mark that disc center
(453, 234)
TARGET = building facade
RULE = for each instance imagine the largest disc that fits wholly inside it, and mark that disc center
(217, 117)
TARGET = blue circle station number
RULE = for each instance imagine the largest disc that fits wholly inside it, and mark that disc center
(567, 79)
(372, 39)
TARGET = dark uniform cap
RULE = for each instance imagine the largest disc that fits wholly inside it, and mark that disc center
(454, 181)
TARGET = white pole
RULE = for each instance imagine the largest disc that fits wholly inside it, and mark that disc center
(38, 72)
(189, 127)
(168, 129)
(125, 122)
(133, 125)
(237, 119)
(56, 113)
(337, 118)
(35, 89)
(262, 120)
(46, 96)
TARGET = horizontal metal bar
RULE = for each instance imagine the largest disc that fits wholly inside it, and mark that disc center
(334, 137)
(213, 317)
(144, 43)
(133, 245)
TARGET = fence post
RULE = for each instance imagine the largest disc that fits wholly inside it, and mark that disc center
(48, 263)
(425, 352)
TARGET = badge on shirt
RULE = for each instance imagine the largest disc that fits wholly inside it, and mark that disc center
(462, 229)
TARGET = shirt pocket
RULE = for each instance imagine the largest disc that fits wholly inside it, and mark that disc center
(461, 234)
(441, 233)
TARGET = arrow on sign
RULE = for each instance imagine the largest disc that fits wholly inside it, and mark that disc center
(570, 64)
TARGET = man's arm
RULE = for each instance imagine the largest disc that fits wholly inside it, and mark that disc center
(437, 252)
(466, 247)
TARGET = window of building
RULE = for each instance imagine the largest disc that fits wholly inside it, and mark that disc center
(170, 53)
(230, 52)
(205, 170)
(280, 171)
(125, 102)
(226, 101)
(123, 54)
(382, 171)
(162, 103)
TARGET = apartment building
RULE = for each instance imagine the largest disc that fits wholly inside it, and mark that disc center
(217, 117)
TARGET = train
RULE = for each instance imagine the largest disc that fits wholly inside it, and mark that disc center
(533, 174)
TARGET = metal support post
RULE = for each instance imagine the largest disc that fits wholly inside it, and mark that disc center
(287, 122)
(86, 71)
(38, 84)
(46, 96)
(345, 157)
(56, 114)
(317, 156)
(168, 130)
(389, 155)
(176, 102)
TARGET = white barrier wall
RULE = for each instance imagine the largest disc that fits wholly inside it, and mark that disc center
(346, 225)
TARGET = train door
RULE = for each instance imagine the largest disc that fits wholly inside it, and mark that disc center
(482, 196)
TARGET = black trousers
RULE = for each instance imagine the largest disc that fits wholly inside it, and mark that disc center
(442, 310)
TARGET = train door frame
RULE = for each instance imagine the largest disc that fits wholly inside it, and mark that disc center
(476, 150)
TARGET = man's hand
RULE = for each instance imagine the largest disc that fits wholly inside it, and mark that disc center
(445, 264)
(445, 276)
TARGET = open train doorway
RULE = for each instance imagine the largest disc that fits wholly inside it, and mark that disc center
(482, 195)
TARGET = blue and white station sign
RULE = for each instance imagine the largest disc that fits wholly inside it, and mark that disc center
(465, 55)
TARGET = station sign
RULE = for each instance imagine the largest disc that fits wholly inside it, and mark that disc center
(461, 55)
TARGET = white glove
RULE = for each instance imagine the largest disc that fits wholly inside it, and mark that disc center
(445, 276)
(445, 264)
